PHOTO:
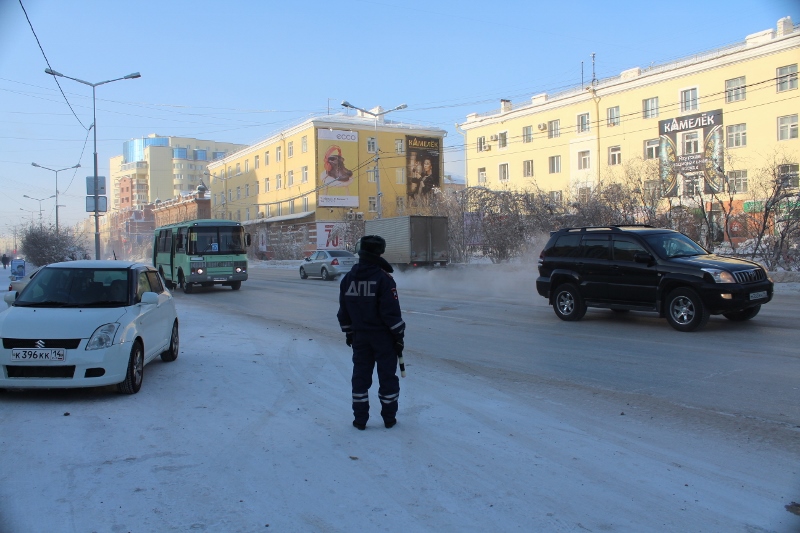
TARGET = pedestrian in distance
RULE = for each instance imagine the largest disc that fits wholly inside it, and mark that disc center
(5, 261)
(369, 315)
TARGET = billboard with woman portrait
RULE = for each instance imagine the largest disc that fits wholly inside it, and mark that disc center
(423, 165)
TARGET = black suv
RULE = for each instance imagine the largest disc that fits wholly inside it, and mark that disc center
(642, 268)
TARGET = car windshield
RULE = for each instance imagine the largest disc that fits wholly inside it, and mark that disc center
(76, 287)
(216, 240)
(670, 245)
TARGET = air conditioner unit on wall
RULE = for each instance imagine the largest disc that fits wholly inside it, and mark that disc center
(351, 216)
(487, 147)
(359, 216)
(542, 126)
(493, 138)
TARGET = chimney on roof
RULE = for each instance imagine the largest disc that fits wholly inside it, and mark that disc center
(785, 26)
(505, 105)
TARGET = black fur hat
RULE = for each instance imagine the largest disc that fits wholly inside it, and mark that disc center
(373, 244)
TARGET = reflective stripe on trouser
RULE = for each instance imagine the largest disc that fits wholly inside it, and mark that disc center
(371, 349)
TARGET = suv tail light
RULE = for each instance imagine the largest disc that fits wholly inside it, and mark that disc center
(335, 262)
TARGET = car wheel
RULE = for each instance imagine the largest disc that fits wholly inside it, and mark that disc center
(303, 274)
(685, 310)
(744, 314)
(568, 303)
(174, 344)
(135, 373)
(188, 287)
(325, 275)
(236, 285)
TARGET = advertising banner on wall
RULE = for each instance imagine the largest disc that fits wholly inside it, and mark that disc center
(262, 239)
(330, 235)
(423, 159)
(692, 147)
(338, 159)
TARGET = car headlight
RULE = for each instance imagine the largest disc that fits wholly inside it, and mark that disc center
(720, 276)
(103, 337)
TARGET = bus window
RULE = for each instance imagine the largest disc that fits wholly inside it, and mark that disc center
(180, 242)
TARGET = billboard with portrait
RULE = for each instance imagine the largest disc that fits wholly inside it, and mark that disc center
(338, 159)
(691, 147)
(423, 160)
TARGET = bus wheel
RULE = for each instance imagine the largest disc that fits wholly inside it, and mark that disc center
(236, 285)
(188, 288)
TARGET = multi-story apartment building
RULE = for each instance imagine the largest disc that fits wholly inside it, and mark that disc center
(324, 171)
(158, 167)
(702, 122)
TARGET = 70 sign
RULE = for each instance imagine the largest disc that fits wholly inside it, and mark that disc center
(330, 235)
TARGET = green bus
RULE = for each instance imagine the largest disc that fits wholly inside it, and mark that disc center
(201, 252)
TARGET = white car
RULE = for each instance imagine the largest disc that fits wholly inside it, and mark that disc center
(17, 285)
(86, 324)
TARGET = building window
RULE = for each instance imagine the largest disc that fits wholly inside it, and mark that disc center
(238, 168)
(689, 100)
(555, 198)
(481, 175)
(267, 211)
(278, 182)
(502, 171)
(230, 195)
(247, 190)
(247, 165)
(305, 203)
(238, 193)
(255, 162)
(735, 89)
(400, 175)
(304, 175)
(371, 175)
(304, 144)
(502, 139)
(787, 78)
(650, 107)
(614, 155)
(372, 204)
(290, 149)
(266, 184)
(278, 154)
(481, 144)
(399, 146)
(256, 189)
(527, 134)
(583, 195)
(554, 164)
(553, 129)
(789, 175)
(691, 143)
(400, 203)
(737, 181)
(691, 186)
(612, 116)
(652, 190)
(652, 149)
(787, 127)
(266, 157)
(291, 207)
(527, 168)
(279, 209)
(737, 135)
(290, 178)
(372, 145)
(247, 213)
(584, 161)
(583, 122)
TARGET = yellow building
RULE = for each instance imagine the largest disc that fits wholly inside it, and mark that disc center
(310, 177)
(705, 121)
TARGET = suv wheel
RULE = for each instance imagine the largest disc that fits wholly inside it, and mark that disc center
(568, 303)
(685, 310)
(744, 314)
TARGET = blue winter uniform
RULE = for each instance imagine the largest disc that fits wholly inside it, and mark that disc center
(369, 310)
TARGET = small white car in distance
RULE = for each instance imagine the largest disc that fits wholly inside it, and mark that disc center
(86, 324)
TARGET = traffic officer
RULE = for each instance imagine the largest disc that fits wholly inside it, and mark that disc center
(369, 315)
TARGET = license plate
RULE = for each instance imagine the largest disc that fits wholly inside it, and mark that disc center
(758, 295)
(220, 279)
(53, 354)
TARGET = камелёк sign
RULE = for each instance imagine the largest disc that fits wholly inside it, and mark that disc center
(691, 147)
(423, 159)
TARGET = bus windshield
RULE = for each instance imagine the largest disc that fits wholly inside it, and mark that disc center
(216, 241)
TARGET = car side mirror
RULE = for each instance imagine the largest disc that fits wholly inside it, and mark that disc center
(307, 259)
(642, 257)
(10, 296)
(149, 298)
(247, 240)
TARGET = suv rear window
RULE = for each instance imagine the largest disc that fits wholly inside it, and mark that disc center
(566, 246)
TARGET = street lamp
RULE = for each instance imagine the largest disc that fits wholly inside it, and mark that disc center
(94, 126)
(56, 171)
(347, 104)
(31, 211)
(40, 200)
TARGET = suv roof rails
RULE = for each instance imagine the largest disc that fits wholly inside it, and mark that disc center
(613, 227)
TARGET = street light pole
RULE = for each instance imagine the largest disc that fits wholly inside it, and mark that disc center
(40, 200)
(379, 204)
(56, 171)
(94, 127)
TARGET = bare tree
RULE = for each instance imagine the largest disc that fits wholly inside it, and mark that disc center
(41, 245)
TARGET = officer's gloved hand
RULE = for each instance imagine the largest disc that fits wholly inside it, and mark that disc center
(348, 338)
(398, 347)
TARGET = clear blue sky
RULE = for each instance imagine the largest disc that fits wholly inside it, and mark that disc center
(238, 71)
